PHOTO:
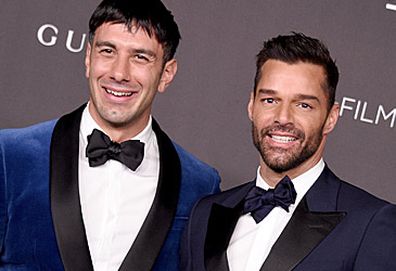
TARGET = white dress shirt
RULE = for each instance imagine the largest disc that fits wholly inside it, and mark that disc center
(251, 243)
(114, 199)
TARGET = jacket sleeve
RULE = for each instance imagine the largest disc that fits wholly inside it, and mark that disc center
(3, 213)
(377, 251)
(185, 244)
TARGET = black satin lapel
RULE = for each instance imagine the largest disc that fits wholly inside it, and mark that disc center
(151, 237)
(221, 224)
(302, 234)
(65, 200)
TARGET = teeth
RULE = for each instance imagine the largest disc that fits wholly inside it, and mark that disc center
(282, 139)
(118, 93)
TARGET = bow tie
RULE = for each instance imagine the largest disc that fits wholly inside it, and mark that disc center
(100, 149)
(260, 202)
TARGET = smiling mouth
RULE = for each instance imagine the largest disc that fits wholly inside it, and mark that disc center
(282, 139)
(119, 93)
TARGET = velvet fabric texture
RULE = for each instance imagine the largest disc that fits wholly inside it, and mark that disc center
(28, 240)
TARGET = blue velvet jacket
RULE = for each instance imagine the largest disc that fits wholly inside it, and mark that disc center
(41, 226)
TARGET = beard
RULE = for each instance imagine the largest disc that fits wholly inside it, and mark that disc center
(279, 159)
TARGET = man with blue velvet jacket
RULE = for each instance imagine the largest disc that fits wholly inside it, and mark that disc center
(104, 188)
(297, 214)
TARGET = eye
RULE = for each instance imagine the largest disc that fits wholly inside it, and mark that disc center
(106, 51)
(141, 58)
(305, 106)
(268, 100)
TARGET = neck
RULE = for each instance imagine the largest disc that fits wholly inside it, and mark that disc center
(121, 135)
(272, 177)
(124, 131)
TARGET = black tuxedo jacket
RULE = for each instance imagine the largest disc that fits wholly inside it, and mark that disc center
(336, 226)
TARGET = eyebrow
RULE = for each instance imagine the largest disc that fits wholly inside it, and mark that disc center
(307, 97)
(264, 91)
(104, 43)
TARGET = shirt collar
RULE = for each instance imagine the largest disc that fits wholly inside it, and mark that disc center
(301, 183)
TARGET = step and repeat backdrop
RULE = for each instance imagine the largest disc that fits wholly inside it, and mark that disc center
(42, 76)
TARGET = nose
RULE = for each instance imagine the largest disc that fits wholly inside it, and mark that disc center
(284, 114)
(121, 69)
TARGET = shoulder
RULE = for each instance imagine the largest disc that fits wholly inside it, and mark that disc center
(17, 136)
(192, 163)
(377, 218)
(370, 221)
(28, 149)
(189, 163)
(40, 131)
(355, 197)
(363, 209)
(330, 192)
(197, 179)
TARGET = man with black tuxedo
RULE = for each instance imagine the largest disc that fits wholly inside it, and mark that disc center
(297, 214)
(104, 188)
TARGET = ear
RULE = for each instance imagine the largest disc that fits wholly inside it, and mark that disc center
(87, 60)
(332, 119)
(250, 105)
(168, 74)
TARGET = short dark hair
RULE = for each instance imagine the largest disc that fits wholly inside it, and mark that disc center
(151, 15)
(299, 47)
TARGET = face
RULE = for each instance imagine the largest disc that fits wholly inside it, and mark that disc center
(290, 117)
(125, 70)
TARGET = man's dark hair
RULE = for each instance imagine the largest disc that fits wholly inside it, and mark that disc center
(151, 15)
(298, 47)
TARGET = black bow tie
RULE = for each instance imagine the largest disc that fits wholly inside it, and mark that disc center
(100, 149)
(260, 202)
